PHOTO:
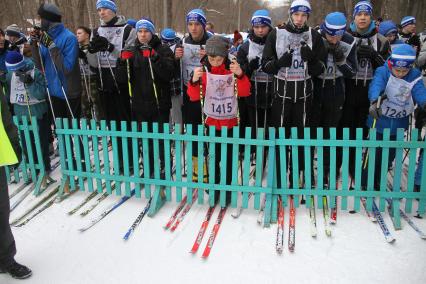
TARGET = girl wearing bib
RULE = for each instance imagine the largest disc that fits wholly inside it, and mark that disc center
(220, 86)
(403, 87)
(293, 54)
(27, 94)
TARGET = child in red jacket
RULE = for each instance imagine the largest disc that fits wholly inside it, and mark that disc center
(222, 82)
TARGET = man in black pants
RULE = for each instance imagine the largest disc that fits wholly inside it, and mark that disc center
(10, 153)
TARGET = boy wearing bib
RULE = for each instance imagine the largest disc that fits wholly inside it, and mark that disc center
(329, 87)
(403, 86)
(293, 53)
(372, 50)
(222, 82)
(27, 94)
(190, 54)
(249, 56)
(151, 70)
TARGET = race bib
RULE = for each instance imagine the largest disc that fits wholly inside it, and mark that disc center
(190, 60)
(114, 35)
(18, 92)
(220, 101)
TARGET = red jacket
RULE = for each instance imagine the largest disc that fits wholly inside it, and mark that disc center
(243, 86)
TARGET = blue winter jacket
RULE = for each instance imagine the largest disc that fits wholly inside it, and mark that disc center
(60, 63)
(378, 85)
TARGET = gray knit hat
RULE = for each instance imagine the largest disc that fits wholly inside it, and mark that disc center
(13, 30)
(50, 12)
(217, 46)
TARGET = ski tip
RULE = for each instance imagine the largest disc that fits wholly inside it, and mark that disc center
(423, 237)
(82, 230)
(390, 240)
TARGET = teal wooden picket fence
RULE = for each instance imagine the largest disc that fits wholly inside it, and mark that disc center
(31, 168)
(115, 157)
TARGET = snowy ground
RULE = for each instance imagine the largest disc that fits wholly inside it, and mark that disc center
(244, 252)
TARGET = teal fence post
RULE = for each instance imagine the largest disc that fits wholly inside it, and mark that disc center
(320, 165)
(212, 168)
(345, 169)
(115, 159)
(295, 164)
(384, 169)
(259, 164)
(283, 166)
(358, 167)
(86, 154)
(126, 155)
(246, 171)
(190, 166)
(308, 169)
(178, 155)
(270, 179)
(96, 159)
(332, 174)
(397, 179)
(62, 153)
(167, 160)
(235, 166)
(371, 163)
(200, 163)
(78, 159)
(135, 160)
(39, 155)
(411, 168)
(223, 165)
(105, 152)
(146, 159)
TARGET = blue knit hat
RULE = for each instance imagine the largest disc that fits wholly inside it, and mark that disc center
(132, 22)
(145, 23)
(261, 18)
(14, 61)
(196, 15)
(403, 56)
(107, 4)
(363, 6)
(168, 35)
(300, 6)
(387, 27)
(408, 20)
(334, 24)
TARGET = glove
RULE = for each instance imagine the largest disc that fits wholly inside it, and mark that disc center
(81, 53)
(46, 40)
(374, 111)
(154, 56)
(366, 51)
(306, 53)
(25, 77)
(286, 59)
(420, 116)
(254, 64)
(414, 40)
(339, 56)
(35, 35)
(100, 43)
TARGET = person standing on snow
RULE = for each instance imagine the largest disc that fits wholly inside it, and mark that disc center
(10, 155)
(258, 104)
(402, 85)
(220, 103)
(408, 34)
(190, 54)
(329, 86)
(372, 49)
(293, 53)
(151, 69)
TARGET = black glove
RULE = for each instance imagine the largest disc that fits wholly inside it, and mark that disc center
(286, 59)
(81, 54)
(306, 53)
(100, 43)
(254, 64)
(414, 40)
(366, 51)
(420, 116)
(338, 55)
(154, 56)
(46, 40)
(374, 111)
(25, 77)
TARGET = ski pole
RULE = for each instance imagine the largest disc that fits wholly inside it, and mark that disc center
(86, 86)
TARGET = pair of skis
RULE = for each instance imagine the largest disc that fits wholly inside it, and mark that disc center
(183, 209)
(279, 243)
(376, 216)
(213, 233)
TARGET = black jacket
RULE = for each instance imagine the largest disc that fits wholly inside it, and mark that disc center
(263, 99)
(144, 98)
(295, 89)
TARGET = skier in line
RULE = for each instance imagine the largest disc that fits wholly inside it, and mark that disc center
(250, 57)
(329, 86)
(408, 34)
(104, 50)
(90, 101)
(16, 38)
(372, 50)
(10, 155)
(151, 70)
(169, 38)
(389, 30)
(217, 81)
(190, 55)
(403, 86)
(29, 99)
(293, 53)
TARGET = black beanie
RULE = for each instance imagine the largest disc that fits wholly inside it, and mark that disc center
(49, 12)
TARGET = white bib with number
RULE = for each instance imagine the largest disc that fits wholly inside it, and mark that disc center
(256, 50)
(190, 60)
(220, 102)
(399, 102)
(286, 40)
(18, 93)
(332, 71)
(114, 35)
(365, 68)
